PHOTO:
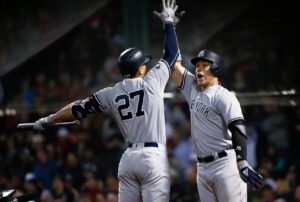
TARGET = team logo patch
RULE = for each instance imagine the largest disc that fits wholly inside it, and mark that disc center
(201, 54)
(245, 172)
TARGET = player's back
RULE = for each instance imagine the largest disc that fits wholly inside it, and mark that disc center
(139, 111)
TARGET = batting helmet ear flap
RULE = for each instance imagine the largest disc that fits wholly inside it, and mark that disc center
(216, 70)
(216, 60)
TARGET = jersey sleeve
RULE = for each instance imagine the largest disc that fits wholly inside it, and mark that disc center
(171, 49)
(229, 107)
(158, 76)
(102, 97)
(187, 83)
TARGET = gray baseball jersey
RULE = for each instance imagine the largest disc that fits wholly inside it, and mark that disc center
(137, 105)
(211, 112)
(138, 108)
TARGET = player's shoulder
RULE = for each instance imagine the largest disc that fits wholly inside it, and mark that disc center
(161, 62)
(161, 65)
(104, 92)
(110, 88)
(222, 89)
(129, 84)
(223, 92)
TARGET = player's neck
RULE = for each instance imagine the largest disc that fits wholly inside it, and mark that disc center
(140, 74)
(213, 82)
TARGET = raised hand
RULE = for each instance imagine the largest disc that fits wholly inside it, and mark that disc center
(167, 14)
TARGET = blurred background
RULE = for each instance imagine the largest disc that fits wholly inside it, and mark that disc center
(55, 52)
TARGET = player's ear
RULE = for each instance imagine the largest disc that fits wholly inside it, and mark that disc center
(141, 71)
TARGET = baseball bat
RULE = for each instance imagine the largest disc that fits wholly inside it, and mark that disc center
(29, 126)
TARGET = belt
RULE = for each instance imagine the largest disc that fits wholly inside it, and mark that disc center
(211, 158)
(146, 144)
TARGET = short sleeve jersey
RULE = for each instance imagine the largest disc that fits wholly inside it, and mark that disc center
(211, 111)
(137, 105)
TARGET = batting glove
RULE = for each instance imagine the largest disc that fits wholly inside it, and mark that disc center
(168, 11)
(252, 178)
(42, 122)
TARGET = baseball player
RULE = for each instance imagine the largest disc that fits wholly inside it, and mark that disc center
(137, 106)
(218, 131)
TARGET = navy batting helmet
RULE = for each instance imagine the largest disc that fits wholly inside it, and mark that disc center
(130, 60)
(212, 57)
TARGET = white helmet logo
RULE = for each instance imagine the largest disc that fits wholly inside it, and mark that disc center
(201, 54)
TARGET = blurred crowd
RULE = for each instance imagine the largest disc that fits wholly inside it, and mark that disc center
(80, 163)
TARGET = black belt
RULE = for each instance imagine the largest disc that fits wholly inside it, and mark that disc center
(146, 144)
(211, 158)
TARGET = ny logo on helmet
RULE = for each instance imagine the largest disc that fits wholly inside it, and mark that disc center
(201, 54)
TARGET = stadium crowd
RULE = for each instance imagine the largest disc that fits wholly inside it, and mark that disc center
(80, 164)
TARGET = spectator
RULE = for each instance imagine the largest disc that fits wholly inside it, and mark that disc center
(44, 169)
(276, 128)
(58, 192)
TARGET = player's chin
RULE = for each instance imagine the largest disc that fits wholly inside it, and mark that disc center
(200, 82)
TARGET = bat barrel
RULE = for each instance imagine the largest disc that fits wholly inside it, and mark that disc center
(25, 126)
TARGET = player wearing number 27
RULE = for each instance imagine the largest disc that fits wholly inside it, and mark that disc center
(137, 106)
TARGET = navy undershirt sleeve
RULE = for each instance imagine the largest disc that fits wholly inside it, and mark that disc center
(171, 50)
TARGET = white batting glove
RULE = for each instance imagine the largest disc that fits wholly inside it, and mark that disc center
(42, 122)
(168, 11)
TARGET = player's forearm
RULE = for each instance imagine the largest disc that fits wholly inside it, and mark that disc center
(64, 114)
(177, 74)
(240, 146)
(238, 131)
(171, 46)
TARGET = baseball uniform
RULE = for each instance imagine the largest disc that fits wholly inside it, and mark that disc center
(211, 110)
(138, 108)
